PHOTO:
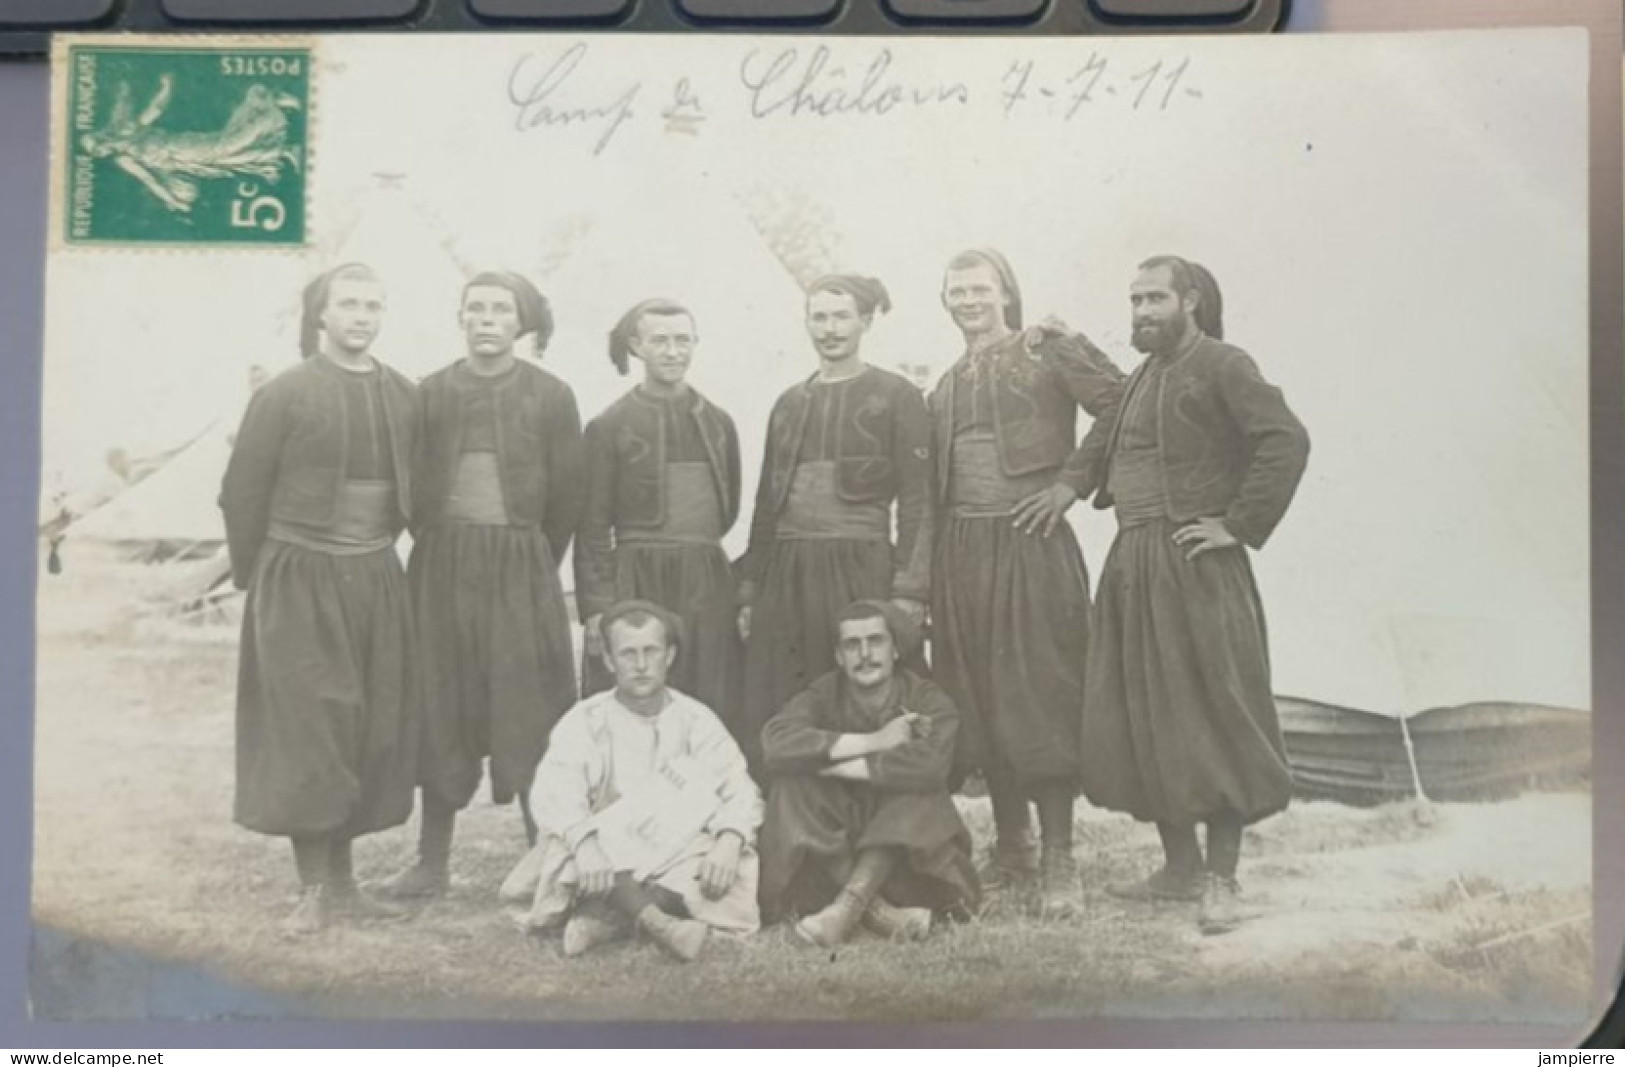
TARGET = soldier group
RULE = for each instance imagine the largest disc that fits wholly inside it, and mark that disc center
(801, 669)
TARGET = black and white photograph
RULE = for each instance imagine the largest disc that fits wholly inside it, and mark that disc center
(755, 528)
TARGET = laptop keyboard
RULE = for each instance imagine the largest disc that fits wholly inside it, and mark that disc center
(303, 11)
(776, 10)
(543, 10)
(967, 10)
(25, 25)
(1172, 9)
(52, 13)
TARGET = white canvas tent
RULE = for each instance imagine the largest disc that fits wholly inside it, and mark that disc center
(167, 516)
(174, 506)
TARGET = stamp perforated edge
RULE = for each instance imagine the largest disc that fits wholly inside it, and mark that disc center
(57, 203)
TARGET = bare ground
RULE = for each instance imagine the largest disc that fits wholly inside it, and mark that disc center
(142, 885)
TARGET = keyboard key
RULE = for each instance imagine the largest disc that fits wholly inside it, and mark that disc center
(53, 12)
(543, 10)
(966, 10)
(289, 10)
(1172, 9)
(760, 10)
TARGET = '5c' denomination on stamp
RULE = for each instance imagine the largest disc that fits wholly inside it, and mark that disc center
(185, 145)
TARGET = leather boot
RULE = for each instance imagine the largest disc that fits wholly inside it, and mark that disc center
(310, 916)
(898, 924)
(1223, 908)
(345, 900)
(416, 882)
(1057, 870)
(1013, 859)
(1010, 863)
(1058, 884)
(351, 902)
(532, 831)
(682, 938)
(430, 876)
(834, 924)
(593, 924)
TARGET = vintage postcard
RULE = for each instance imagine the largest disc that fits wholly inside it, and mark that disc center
(773, 528)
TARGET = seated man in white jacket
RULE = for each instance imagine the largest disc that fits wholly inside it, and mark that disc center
(646, 812)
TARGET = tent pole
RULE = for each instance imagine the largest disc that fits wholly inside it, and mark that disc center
(1424, 811)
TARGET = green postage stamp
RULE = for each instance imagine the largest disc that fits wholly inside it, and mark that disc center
(188, 144)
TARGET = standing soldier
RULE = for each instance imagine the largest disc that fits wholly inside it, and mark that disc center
(842, 448)
(1011, 610)
(500, 475)
(1180, 725)
(662, 490)
(318, 487)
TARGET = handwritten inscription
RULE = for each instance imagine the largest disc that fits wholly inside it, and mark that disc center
(540, 89)
(1064, 92)
(794, 84)
(822, 83)
(684, 114)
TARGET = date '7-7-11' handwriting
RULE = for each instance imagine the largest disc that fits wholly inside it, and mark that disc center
(1156, 86)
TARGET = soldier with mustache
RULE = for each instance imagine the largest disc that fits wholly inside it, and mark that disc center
(845, 447)
(860, 827)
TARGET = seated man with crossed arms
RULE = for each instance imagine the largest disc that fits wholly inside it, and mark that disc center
(859, 819)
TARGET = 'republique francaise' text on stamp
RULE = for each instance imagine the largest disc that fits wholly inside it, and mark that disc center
(186, 145)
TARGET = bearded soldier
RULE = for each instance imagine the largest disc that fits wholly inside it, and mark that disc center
(1203, 459)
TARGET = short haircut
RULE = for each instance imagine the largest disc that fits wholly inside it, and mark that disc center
(640, 613)
(859, 610)
(904, 634)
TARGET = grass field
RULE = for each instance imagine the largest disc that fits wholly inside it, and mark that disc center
(1367, 914)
